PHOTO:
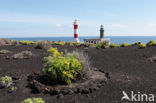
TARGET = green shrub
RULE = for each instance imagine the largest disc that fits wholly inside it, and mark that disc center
(101, 45)
(33, 100)
(113, 45)
(58, 43)
(54, 52)
(151, 43)
(12, 89)
(92, 45)
(137, 43)
(14, 42)
(86, 45)
(70, 43)
(142, 45)
(125, 44)
(62, 68)
(78, 44)
(98, 45)
(27, 42)
(5, 81)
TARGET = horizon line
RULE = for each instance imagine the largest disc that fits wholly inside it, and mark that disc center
(80, 36)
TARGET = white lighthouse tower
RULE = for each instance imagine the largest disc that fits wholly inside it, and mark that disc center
(76, 39)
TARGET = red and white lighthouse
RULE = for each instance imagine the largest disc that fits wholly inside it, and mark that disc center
(76, 39)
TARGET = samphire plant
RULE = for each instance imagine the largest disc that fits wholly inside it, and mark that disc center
(102, 45)
(27, 42)
(113, 45)
(151, 43)
(137, 43)
(70, 43)
(33, 100)
(125, 44)
(58, 43)
(5, 81)
(142, 45)
(62, 68)
(54, 52)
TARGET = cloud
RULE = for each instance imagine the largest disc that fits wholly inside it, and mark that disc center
(45, 19)
(153, 25)
(31, 18)
(58, 25)
(116, 25)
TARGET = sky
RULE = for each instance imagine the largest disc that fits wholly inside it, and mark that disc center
(51, 18)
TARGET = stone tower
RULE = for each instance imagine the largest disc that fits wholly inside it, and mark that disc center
(101, 32)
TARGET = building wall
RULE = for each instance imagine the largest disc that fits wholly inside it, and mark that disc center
(95, 41)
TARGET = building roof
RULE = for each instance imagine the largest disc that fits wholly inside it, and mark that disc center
(93, 39)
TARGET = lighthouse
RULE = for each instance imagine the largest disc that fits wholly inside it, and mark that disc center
(76, 39)
(97, 40)
(101, 32)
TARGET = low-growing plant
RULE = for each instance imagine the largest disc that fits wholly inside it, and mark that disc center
(137, 43)
(78, 44)
(102, 45)
(27, 42)
(98, 45)
(125, 44)
(23, 55)
(58, 43)
(151, 43)
(92, 45)
(62, 68)
(42, 44)
(54, 52)
(14, 42)
(5, 81)
(142, 45)
(113, 45)
(86, 45)
(5, 42)
(33, 100)
(4, 51)
(70, 43)
(12, 89)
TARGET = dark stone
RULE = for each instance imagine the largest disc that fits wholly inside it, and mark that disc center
(56, 91)
(99, 86)
(60, 96)
(7, 57)
(91, 90)
(79, 90)
(70, 91)
(107, 75)
(95, 88)
(85, 91)
(64, 92)
(47, 90)
(88, 96)
(39, 87)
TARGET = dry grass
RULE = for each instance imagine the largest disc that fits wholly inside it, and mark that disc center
(5, 42)
(84, 59)
(42, 44)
